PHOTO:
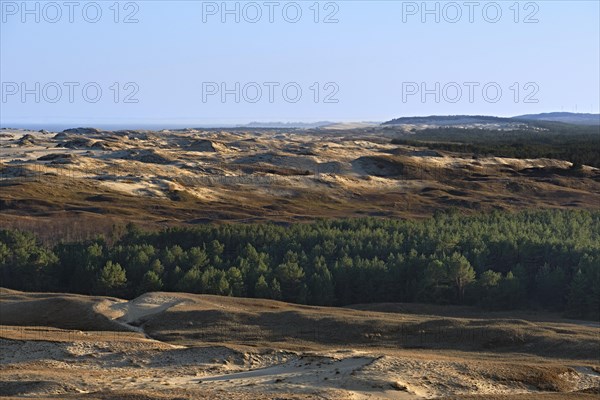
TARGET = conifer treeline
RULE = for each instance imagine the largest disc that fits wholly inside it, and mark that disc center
(578, 144)
(548, 259)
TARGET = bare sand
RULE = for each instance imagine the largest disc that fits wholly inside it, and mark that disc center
(56, 363)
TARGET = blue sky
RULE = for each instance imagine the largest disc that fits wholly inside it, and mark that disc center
(375, 63)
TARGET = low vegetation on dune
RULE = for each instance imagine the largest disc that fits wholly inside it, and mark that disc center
(545, 259)
(281, 175)
(190, 346)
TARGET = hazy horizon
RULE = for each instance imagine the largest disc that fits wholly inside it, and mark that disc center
(59, 126)
(200, 63)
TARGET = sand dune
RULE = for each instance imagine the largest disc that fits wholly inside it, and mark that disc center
(211, 346)
(190, 175)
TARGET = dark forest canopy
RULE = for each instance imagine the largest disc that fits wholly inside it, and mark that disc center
(578, 144)
(556, 118)
(544, 259)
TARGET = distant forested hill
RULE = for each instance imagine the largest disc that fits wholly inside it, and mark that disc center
(578, 144)
(569, 118)
(450, 120)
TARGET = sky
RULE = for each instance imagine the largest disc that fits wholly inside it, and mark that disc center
(193, 63)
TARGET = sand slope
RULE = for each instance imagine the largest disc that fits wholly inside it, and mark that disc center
(195, 176)
(217, 347)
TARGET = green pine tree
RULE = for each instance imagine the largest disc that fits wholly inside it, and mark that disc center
(112, 278)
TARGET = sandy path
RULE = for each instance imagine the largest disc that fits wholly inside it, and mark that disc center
(128, 312)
